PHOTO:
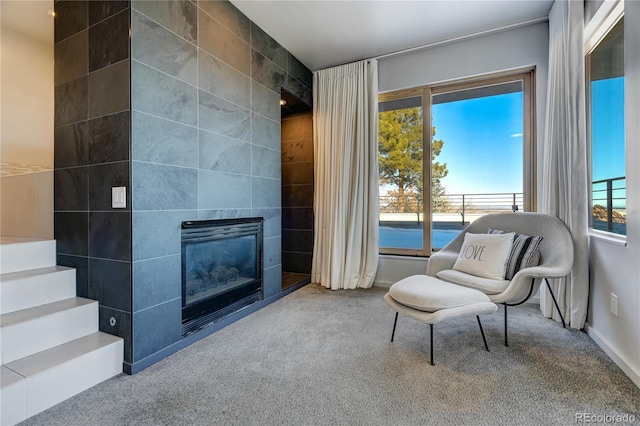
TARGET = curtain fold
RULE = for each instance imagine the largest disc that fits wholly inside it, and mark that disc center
(565, 167)
(345, 110)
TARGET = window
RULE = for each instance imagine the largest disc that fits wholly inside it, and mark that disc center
(401, 168)
(605, 91)
(474, 156)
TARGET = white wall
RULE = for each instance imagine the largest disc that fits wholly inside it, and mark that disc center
(506, 50)
(393, 268)
(615, 268)
(590, 8)
(27, 205)
(27, 99)
(27, 113)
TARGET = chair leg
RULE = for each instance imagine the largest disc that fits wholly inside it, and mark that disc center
(484, 339)
(394, 327)
(506, 340)
(431, 337)
(555, 302)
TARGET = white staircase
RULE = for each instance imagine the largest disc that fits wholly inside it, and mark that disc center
(50, 346)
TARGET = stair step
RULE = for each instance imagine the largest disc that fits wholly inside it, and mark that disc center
(58, 373)
(27, 289)
(25, 255)
(32, 330)
(14, 397)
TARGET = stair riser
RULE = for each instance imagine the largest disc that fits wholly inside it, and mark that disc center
(57, 384)
(25, 256)
(37, 290)
(14, 403)
(26, 338)
(50, 347)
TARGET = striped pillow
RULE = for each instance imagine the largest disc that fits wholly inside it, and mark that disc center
(524, 252)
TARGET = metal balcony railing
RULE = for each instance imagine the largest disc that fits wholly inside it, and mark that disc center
(463, 204)
(609, 205)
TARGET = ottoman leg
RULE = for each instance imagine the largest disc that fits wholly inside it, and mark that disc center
(482, 331)
(431, 337)
(395, 321)
(506, 340)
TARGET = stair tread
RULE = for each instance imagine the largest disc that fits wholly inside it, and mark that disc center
(8, 377)
(4, 239)
(33, 272)
(28, 314)
(41, 361)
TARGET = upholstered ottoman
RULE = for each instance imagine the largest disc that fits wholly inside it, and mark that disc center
(431, 300)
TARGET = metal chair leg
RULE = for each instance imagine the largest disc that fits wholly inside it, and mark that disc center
(394, 327)
(555, 302)
(431, 336)
(506, 340)
(484, 339)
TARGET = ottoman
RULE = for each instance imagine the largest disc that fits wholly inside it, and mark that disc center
(430, 300)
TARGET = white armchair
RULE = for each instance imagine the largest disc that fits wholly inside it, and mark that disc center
(556, 258)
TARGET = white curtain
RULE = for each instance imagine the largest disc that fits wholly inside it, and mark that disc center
(564, 181)
(345, 110)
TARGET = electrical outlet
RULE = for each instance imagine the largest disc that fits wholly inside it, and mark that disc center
(613, 304)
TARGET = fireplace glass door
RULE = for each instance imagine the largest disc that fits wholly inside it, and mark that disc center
(221, 269)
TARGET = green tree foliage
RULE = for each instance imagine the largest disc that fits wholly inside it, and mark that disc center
(400, 159)
(438, 172)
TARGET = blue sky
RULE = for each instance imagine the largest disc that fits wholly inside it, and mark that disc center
(608, 128)
(482, 143)
(483, 139)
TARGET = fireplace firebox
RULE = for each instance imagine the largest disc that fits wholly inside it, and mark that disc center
(221, 269)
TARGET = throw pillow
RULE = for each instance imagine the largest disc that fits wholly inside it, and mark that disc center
(484, 255)
(524, 252)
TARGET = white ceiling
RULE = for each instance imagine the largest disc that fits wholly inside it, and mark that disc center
(28, 17)
(326, 33)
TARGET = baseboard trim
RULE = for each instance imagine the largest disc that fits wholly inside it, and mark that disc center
(136, 367)
(619, 359)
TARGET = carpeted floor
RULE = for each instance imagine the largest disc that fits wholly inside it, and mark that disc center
(318, 357)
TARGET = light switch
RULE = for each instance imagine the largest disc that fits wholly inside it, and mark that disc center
(119, 197)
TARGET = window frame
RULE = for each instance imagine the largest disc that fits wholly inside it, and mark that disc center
(602, 23)
(426, 92)
(421, 92)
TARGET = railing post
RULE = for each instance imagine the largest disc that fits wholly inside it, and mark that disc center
(462, 209)
(609, 205)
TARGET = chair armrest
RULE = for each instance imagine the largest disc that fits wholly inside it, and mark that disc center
(440, 261)
(520, 287)
(541, 271)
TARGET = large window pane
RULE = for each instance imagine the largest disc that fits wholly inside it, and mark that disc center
(400, 154)
(606, 90)
(478, 167)
(450, 153)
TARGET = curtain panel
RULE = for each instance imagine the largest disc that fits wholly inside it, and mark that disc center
(565, 167)
(346, 211)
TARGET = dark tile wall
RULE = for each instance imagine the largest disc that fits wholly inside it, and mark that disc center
(297, 192)
(179, 102)
(205, 90)
(91, 154)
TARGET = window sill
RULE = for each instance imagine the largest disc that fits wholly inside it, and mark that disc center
(419, 257)
(608, 237)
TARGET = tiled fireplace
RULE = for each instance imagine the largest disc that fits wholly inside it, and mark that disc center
(178, 101)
